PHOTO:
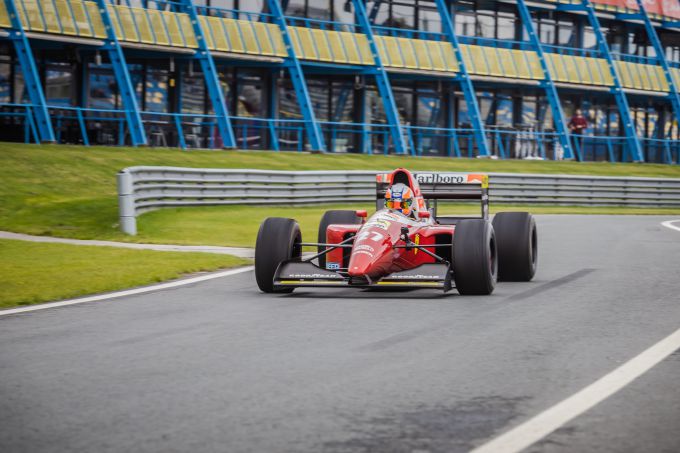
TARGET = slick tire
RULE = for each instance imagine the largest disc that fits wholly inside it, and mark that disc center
(331, 218)
(517, 243)
(278, 240)
(475, 263)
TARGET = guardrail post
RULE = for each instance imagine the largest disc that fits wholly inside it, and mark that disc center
(297, 77)
(120, 70)
(30, 72)
(211, 77)
(478, 129)
(548, 83)
(126, 202)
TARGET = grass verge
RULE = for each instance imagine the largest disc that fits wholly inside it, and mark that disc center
(238, 225)
(37, 272)
(70, 191)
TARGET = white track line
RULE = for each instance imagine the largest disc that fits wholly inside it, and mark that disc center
(543, 424)
(128, 292)
(669, 224)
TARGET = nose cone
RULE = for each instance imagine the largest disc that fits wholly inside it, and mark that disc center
(369, 258)
(359, 264)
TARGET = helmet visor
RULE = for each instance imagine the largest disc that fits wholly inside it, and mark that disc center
(398, 204)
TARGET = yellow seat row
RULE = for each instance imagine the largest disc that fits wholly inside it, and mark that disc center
(642, 76)
(4, 16)
(491, 61)
(243, 36)
(417, 54)
(67, 17)
(330, 46)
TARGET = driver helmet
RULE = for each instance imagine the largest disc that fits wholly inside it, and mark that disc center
(399, 197)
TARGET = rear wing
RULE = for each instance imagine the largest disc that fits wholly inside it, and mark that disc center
(442, 186)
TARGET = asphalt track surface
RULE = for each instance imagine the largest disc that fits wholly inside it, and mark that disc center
(217, 366)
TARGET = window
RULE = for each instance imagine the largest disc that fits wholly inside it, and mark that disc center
(5, 80)
(506, 25)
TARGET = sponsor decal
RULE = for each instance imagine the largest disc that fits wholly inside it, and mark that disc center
(392, 216)
(375, 236)
(379, 223)
(313, 276)
(417, 242)
(364, 252)
(332, 266)
(453, 178)
(441, 178)
(414, 277)
(365, 247)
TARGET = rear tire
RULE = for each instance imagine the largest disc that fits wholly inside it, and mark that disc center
(278, 240)
(341, 217)
(475, 262)
(517, 246)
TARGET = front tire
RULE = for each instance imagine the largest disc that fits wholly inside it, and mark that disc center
(334, 217)
(517, 246)
(278, 240)
(475, 263)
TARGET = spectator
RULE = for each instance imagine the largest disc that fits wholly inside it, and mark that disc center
(577, 125)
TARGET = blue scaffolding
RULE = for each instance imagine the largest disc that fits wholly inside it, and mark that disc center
(297, 76)
(478, 128)
(634, 147)
(212, 80)
(120, 70)
(660, 58)
(28, 67)
(358, 49)
(382, 80)
(548, 83)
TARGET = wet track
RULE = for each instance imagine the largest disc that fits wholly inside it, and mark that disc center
(217, 366)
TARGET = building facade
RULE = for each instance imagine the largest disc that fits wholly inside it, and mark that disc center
(419, 77)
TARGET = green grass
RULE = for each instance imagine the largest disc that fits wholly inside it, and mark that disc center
(238, 225)
(38, 272)
(70, 191)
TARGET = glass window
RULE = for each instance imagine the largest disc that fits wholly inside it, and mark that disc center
(156, 90)
(58, 85)
(295, 8)
(486, 24)
(403, 15)
(547, 31)
(5, 81)
(342, 102)
(430, 110)
(319, 9)
(192, 93)
(20, 94)
(429, 20)
(506, 25)
(288, 105)
(102, 87)
(249, 95)
(529, 110)
(504, 110)
(465, 24)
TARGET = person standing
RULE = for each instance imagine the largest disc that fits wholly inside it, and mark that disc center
(577, 125)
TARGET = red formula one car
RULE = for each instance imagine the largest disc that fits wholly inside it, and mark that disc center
(404, 244)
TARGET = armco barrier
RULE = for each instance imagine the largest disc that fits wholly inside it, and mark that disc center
(141, 189)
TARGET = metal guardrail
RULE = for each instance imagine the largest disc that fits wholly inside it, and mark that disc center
(142, 189)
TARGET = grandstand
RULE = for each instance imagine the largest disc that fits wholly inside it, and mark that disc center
(421, 77)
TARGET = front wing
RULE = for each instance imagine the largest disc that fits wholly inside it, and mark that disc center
(305, 274)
